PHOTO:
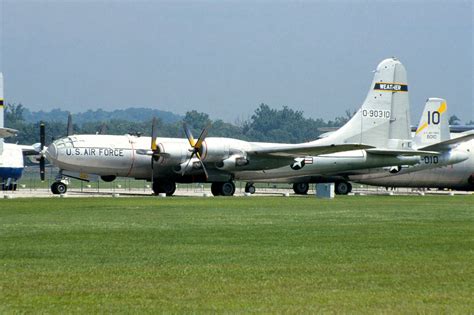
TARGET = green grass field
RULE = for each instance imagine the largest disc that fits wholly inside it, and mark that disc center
(360, 254)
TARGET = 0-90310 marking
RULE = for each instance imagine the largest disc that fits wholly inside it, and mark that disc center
(376, 113)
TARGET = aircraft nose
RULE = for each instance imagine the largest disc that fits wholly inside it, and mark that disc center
(52, 152)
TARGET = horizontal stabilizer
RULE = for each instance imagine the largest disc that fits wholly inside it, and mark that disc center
(400, 152)
(307, 149)
(449, 144)
(7, 132)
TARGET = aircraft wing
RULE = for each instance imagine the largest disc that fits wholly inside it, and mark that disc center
(7, 132)
(401, 152)
(306, 149)
(29, 149)
(449, 144)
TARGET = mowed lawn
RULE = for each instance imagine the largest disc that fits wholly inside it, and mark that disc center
(359, 254)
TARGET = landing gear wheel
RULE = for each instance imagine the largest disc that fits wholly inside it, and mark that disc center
(301, 188)
(228, 189)
(250, 188)
(216, 189)
(167, 188)
(9, 187)
(58, 188)
(223, 189)
(342, 188)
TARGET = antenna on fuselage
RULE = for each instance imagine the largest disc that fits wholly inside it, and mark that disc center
(70, 129)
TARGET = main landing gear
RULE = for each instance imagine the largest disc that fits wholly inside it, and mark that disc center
(301, 188)
(164, 187)
(342, 188)
(223, 188)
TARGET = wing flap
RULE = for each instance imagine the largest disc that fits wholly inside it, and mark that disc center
(307, 149)
(401, 152)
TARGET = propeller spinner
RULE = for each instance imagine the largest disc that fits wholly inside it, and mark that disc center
(196, 146)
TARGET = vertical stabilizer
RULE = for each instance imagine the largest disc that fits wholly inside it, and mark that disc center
(383, 119)
(434, 123)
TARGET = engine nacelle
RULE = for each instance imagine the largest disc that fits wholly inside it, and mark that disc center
(188, 166)
(232, 163)
(214, 152)
(172, 153)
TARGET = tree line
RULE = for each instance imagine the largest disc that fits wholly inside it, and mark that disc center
(266, 124)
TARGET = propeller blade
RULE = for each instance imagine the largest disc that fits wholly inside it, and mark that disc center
(42, 168)
(187, 164)
(154, 134)
(42, 136)
(202, 164)
(189, 135)
(70, 129)
(201, 138)
(42, 144)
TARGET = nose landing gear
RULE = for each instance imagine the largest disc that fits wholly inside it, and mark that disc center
(58, 188)
(250, 188)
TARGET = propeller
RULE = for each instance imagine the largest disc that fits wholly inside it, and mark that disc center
(42, 143)
(196, 146)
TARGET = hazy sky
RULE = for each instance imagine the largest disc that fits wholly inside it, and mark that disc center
(227, 57)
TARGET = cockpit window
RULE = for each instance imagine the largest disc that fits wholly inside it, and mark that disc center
(64, 143)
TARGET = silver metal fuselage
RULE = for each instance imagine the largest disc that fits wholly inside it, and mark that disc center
(458, 176)
(106, 155)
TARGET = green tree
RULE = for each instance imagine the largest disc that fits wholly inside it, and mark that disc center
(454, 120)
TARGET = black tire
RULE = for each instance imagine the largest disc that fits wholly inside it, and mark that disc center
(54, 188)
(58, 188)
(250, 188)
(342, 188)
(216, 189)
(167, 188)
(301, 188)
(228, 189)
(8, 187)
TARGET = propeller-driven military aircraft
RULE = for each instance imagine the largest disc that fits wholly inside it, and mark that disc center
(378, 135)
(11, 155)
(432, 134)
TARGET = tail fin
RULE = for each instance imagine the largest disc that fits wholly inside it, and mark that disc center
(383, 120)
(434, 123)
